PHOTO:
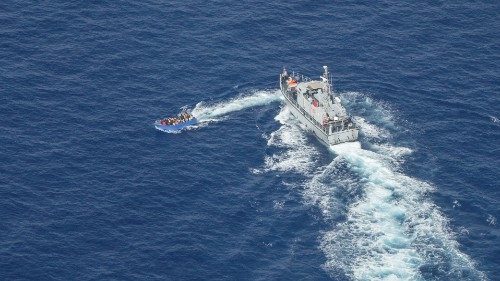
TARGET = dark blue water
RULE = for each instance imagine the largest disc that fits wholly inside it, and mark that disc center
(89, 190)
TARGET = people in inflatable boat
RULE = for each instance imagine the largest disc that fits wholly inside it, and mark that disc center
(183, 117)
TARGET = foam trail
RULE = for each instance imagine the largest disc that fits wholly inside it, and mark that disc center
(370, 130)
(299, 156)
(396, 231)
(213, 112)
(385, 227)
(376, 223)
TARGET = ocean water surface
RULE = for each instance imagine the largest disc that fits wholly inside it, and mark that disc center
(90, 190)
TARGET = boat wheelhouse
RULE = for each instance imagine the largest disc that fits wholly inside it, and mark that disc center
(314, 105)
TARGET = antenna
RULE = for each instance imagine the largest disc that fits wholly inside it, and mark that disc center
(331, 83)
(327, 78)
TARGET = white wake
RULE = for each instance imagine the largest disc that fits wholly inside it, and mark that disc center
(389, 228)
(214, 112)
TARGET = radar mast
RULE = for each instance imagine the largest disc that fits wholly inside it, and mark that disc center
(326, 78)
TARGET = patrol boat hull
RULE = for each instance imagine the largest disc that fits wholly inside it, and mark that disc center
(177, 127)
(321, 134)
(313, 104)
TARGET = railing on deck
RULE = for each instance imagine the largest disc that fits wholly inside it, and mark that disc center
(307, 115)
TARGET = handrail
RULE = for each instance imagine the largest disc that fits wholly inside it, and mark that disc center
(315, 122)
(308, 116)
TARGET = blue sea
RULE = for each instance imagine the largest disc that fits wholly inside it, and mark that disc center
(90, 190)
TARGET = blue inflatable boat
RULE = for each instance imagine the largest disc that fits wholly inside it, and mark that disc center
(169, 127)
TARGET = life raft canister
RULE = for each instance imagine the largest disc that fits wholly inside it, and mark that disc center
(292, 82)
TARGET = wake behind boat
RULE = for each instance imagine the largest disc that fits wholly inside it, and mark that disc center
(176, 124)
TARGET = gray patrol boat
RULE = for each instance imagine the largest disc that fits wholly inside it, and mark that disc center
(314, 104)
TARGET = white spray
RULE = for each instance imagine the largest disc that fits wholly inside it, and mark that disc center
(390, 228)
(214, 112)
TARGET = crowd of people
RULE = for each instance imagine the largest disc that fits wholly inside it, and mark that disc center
(183, 117)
